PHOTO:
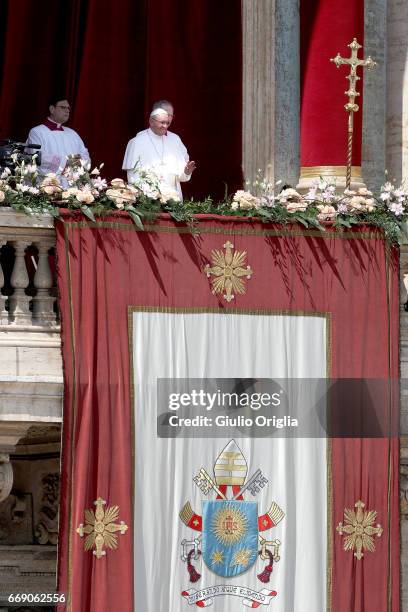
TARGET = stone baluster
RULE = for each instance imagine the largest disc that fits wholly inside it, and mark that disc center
(3, 312)
(20, 302)
(43, 302)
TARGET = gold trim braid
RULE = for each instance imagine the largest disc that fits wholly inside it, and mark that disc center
(334, 171)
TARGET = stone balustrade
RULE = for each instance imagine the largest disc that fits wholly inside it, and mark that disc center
(31, 382)
(26, 274)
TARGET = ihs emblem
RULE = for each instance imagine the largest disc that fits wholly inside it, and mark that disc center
(229, 527)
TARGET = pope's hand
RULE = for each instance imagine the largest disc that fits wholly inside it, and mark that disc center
(190, 167)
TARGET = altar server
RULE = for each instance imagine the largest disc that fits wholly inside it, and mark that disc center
(159, 150)
(57, 142)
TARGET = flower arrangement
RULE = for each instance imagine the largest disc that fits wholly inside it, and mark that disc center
(80, 188)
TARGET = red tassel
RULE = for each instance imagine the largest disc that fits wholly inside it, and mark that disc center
(266, 574)
(194, 575)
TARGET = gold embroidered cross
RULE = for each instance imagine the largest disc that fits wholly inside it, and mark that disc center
(100, 528)
(228, 270)
(359, 529)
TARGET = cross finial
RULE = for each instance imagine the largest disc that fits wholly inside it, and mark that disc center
(352, 93)
(354, 63)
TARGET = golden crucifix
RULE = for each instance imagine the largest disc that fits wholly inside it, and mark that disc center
(351, 107)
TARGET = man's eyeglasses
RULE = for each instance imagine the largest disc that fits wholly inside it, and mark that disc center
(68, 108)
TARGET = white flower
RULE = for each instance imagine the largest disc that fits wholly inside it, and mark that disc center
(50, 184)
(166, 194)
(385, 195)
(397, 208)
(349, 192)
(24, 188)
(399, 193)
(6, 173)
(311, 194)
(342, 208)
(148, 190)
(68, 193)
(245, 200)
(327, 213)
(2, 196)
(33, 190)
(287, 195)
(118, 183)
(293, 207)
(388, 186)
(85, 195)
(31, 169)
(361, 204)
(121, 196)
(95, 172)
(322, 185)
(293, 200)
(99, 183)
(363, 191)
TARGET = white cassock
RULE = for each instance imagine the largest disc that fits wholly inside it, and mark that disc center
(165, 155)
(56, 145)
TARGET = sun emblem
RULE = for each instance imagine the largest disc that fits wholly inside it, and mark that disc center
(228, 269)
(100, 528)
(359, 527)
(242, 557)
(229, 525)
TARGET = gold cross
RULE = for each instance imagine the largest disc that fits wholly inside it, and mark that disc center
(351, 106)
(354, 63)
(359, 529)
(100, 528)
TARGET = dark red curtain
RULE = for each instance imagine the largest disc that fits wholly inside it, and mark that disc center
(113, 59)
(326, 28)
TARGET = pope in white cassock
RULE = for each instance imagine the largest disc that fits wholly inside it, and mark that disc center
(159, 150)
(57, 142)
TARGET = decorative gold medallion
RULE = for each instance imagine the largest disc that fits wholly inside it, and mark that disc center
(229, 525)
(360, 530)
(228, 269)
(100, 528)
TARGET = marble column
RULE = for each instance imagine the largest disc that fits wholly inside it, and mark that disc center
(271, 89)
(375, 95)
(397, 89)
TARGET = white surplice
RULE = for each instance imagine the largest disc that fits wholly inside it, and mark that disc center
(56, 145)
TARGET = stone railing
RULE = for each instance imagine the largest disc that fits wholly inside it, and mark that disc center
(26, 272)
(31, 384)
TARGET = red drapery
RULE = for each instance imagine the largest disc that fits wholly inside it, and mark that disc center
(326, 28)
(107, 266)
(113, 59)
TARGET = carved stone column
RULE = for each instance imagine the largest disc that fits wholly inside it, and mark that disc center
(20, 302)
(271, 89)
(3, 312)
(43, 302)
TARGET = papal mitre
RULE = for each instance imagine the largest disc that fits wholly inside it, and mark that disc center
(230, 467)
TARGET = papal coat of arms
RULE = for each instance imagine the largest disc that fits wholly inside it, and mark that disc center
(230, 527)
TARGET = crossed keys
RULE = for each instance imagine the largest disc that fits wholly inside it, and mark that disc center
(205, 483)
(265, 544)
(254, 484)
